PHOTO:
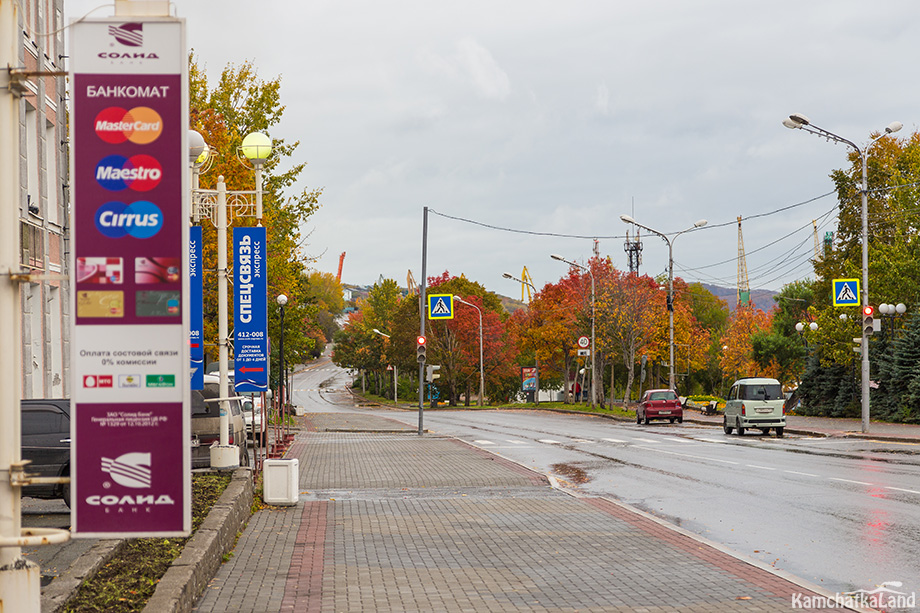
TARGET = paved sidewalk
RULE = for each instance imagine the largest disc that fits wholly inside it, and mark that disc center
(393, 521)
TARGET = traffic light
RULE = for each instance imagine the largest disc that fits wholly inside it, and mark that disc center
(420, 351)
(430, 374)
(868, 322)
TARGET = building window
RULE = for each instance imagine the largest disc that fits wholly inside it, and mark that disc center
(32, 245)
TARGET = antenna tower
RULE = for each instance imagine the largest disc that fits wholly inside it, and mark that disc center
(633, 249)
(744, 287)
(814, 224)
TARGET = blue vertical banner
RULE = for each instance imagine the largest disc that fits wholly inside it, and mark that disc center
(196, 307)
(250, 310)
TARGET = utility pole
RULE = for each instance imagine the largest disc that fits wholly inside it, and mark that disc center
(20, 588)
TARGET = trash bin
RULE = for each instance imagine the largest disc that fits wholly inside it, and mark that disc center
(280, 481)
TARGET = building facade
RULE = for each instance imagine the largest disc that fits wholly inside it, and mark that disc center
(43, 199)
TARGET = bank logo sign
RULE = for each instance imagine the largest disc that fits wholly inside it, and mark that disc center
(129, 349)
(128, 34)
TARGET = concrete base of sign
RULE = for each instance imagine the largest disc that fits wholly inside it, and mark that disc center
(225, 458)
(20, 587)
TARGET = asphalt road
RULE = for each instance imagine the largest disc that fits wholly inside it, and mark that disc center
(841, 513)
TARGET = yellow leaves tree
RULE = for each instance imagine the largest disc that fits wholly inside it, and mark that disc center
(737, 351)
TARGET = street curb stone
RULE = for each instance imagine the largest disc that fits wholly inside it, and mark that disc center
(189, 574)
(63, 588)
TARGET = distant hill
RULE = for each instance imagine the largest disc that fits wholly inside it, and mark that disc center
(762, 298)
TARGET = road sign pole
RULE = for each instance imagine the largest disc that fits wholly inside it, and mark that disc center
(421, 317)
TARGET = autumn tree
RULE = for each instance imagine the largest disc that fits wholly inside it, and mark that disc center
(737, 351)
(240, 103)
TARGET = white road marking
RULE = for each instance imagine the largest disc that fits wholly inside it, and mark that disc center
(648, 440)
(584, 441)
(549, 441)
(484, 442)
(794, 472)
(849, 481)
(899, 489)
(513, 442)
(683, 440)
(760, 467)
(712, 440)
(688, 455)
(613, 440)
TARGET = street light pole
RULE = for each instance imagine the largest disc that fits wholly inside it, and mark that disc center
(672, 383)
(281, 300)
(387, 336)
(593, 353)
(797, 121)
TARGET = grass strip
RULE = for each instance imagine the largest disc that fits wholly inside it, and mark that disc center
(127, 582)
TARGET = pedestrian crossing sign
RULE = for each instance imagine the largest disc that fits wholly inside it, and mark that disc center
(846, 292)
(440, 306)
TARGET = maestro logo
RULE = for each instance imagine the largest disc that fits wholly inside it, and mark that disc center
(141, 125)
(139, 172)
(141, 219)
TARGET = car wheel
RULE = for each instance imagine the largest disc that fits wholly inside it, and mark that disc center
(740, 428)
(765, 431)
(680, 420)
(725, 427)
(779, 432)
(672, 419)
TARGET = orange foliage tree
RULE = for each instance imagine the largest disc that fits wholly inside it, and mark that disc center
(737, 352)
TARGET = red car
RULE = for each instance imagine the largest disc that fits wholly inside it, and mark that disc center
(660, 404)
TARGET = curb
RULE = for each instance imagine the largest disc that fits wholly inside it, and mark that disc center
(189, 574)
(60, 591)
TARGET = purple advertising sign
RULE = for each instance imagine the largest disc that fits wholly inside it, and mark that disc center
(129, 262)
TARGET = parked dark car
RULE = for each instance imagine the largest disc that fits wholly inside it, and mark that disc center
(46, 443)
(206, 423)
(660, 404)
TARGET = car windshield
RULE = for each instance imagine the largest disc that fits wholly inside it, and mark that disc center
(668, 395)
(768, 391)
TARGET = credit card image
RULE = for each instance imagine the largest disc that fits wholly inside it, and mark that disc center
(157, 270)
(100, 270)
(100, 304)
(157, 304)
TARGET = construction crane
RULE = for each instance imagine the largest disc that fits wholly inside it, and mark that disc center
(411, 285)
(341, 263)
(814, 224)
(744, 287)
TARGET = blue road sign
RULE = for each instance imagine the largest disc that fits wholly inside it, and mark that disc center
(250, 326)
(440, 306)
(846, 292)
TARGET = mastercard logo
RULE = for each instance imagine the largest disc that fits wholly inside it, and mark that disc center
(141, 125)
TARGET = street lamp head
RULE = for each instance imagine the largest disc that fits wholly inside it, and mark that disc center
(893, 127)
(197, 148)
(556, 256)
(507, 276)
(799, 327)
(901, 308)
(813, 325)
(796, 120)
(627, 219)
(700, 223)
(843, 317)
(281, 299)
(884, 308)
(256, 147)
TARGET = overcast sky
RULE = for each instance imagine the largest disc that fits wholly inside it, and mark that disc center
(558, 117)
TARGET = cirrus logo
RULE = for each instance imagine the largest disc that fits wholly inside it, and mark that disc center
(139, 172)
(141, 219)
(141, 125)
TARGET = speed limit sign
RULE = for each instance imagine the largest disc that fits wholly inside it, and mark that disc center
(583, 342)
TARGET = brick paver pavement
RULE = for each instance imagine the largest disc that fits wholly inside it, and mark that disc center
(398, 522)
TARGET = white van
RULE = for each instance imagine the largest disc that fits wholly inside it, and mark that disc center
(755, 403)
